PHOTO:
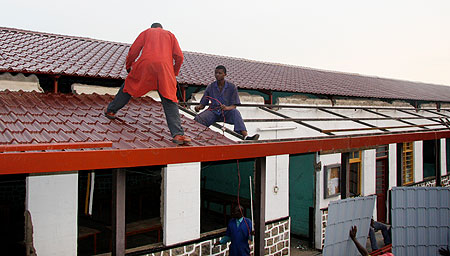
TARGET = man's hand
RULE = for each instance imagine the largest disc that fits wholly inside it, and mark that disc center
(353, 231)
(197, 108)
(226, 108)
(444, 252)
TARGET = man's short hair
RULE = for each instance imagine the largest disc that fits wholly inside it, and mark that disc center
(156, 25)
(223, 68)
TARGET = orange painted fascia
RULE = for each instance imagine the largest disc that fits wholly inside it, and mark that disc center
(35, 162)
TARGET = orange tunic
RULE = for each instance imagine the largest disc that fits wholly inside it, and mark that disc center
(154, 68)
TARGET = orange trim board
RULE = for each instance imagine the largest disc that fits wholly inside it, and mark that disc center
(35, 162)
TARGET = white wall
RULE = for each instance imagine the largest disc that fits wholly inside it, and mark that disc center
(321, 202)
(53, 204)
(369, 175)
(277, 187)
(443, 157)
(326, 160)
(181, 202)
(392, 161)
(368, 172)
(418, 161)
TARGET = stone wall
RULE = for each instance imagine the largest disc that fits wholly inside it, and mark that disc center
(324, 219)
(445, 182)
(277, 242)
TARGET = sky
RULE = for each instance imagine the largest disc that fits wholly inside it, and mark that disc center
(400, 39)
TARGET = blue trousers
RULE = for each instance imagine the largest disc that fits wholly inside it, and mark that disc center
(233, 116)
(170, 110)
(384, 231)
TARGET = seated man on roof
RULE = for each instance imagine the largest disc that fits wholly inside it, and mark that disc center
(222, 97)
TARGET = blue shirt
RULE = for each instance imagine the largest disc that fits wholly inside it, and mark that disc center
(238, 232)
(228, 96)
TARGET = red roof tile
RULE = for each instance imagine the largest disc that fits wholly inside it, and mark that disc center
(30, 117)
(34, 52)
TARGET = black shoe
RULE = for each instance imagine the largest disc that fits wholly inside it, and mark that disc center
(110, 115)
(254, 137)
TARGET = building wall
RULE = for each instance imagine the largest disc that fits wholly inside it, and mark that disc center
(181, 203)
(52, 202)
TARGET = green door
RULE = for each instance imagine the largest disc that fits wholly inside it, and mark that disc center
(301, 192)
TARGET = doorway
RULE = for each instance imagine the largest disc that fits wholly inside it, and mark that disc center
(382, 174)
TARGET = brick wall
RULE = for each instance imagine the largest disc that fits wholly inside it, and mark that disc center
(277, 242)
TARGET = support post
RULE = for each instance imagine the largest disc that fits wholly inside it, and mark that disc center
(344, 175)
(437, 151)
(260, 205)
(55, 84)
(118, 212)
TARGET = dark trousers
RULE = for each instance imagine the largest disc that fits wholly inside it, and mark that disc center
(208, 117)
(384, 231)
(170, 110)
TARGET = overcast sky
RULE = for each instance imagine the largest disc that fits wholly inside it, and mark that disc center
(403, 39)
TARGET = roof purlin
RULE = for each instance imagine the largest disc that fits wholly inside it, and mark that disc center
(37, 162)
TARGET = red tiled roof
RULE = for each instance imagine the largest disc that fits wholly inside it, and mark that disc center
(34, 52)
(30, 118)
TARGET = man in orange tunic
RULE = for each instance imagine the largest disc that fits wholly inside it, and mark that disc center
(150, 64)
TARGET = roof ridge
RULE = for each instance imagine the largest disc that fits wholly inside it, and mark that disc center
(59, 35)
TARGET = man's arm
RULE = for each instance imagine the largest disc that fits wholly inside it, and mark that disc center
(360, 248)
(177, 55)
(134, 51)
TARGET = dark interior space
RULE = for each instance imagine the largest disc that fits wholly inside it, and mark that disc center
(12, 208)
(429, 158)
(143, 196)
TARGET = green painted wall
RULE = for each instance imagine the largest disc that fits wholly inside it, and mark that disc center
(301, 192)
(223, 177)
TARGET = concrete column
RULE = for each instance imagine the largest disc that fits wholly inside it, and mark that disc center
(368, 172)
(418, 161)
(181, 203)
(52, 200)
(443, 157)
(277, 187)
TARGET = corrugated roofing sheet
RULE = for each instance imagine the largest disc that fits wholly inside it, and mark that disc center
(34, 52)
(30, 117)
(342, 215)
(420, 220)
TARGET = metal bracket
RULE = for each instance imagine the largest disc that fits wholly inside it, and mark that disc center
(318, 166)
